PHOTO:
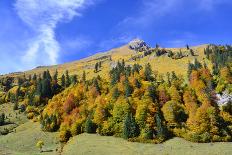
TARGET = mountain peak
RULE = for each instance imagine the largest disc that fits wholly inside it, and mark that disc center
(138, 45)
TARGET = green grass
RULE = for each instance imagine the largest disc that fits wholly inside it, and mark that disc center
(87, 144)
(23, 142)
(13, 118)
(27, 135)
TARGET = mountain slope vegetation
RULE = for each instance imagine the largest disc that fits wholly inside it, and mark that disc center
(136, 92)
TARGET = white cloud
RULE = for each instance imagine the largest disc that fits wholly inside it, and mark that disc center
(42, 16)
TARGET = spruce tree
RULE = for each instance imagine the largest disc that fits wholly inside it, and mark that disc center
(96, 67)
(128, 88)
(148, 72)
(84, 77)
(63, 81)
(67, 79)
(161, 129)
(130, 128)
(55, 76)
(90, 127)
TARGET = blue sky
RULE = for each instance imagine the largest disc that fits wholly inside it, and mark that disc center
(46, 32)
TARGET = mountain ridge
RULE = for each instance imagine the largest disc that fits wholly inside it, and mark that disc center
(111, 56)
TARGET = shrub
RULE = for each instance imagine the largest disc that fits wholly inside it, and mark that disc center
(146, 133)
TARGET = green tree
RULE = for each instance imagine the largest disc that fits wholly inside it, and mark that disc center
(63, 81)
(130, 128)
(67, 79)
(148, 72)
(96, 67)
(128, 88)
(2, 119)
(90, 126)
(84, 77)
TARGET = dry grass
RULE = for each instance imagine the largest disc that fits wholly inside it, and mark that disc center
(162, 64)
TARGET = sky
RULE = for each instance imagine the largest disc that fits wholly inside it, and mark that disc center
(48, 32)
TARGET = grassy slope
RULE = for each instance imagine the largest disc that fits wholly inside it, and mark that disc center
(86, 144)
(162, 64)
(14, 118)
(23, 142)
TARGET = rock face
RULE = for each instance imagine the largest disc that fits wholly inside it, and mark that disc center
(224, 98)
(138, 45)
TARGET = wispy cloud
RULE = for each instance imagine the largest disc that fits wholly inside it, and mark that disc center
(209, 5)
(43, 16)
(153, 10)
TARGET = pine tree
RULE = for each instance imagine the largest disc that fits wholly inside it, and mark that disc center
(55, 76)
(74, 79)
(96, 67)
(48, 75)
(67, 79)
(63, 81)
(130, 128)
(152, 92)
(148, 72)
(128, 88)
(90, 127)
(161, 129)
(96, 85)
(84, 77)
(46, 88)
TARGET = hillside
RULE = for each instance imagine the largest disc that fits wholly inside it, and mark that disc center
(136, 92)
(161, 63)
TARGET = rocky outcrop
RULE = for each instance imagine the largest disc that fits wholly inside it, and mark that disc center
(138, 45)
(224, 98)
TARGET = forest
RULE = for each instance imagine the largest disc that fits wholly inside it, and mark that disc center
(135, 103)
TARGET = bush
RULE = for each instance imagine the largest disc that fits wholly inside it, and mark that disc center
(146, 133)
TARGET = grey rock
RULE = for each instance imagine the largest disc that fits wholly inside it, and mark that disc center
(138, 45)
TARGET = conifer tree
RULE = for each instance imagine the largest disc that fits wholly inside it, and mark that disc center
(148, 72)
(130, 128)
(128, 88)
(67, 79)
(84, 77)
(63, 81)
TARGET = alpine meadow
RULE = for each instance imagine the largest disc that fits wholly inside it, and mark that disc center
(170, 94)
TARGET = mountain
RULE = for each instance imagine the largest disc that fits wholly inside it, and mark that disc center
(136, 51)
